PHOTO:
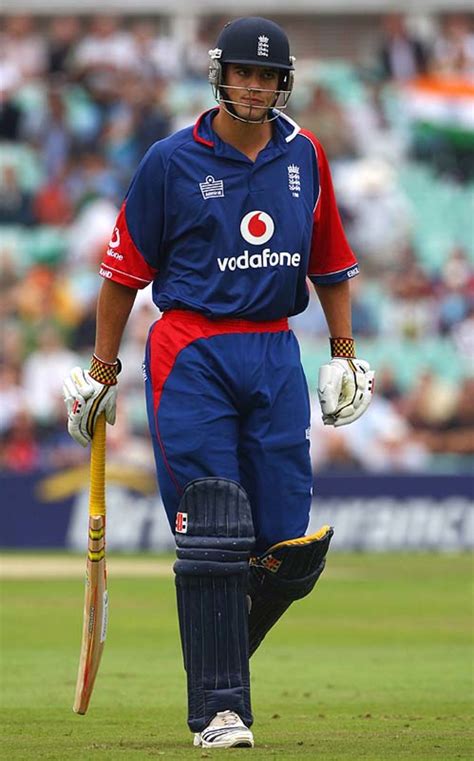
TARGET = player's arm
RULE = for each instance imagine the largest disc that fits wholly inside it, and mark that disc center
(87, 393)
(336, 304)
(345, 384)
(113, 309)
(130, 262)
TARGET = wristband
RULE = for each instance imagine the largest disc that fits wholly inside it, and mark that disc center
(104, 372)
(342, 347)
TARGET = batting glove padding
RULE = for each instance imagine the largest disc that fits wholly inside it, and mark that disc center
(85, 399)
(345, 389)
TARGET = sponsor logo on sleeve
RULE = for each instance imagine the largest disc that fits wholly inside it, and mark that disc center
(115, 254)
(114, 243)
(115, 239)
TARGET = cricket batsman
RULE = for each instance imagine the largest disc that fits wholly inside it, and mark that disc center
(229, 220)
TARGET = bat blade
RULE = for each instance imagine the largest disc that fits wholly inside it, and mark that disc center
(94, 628)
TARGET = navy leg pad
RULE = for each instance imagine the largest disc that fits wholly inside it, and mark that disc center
(214, 538)
(286, 572)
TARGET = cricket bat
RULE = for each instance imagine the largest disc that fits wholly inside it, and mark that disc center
(96, 602)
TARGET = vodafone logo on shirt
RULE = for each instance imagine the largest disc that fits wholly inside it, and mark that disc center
(115, 239)
(257, 227)
(114, 243)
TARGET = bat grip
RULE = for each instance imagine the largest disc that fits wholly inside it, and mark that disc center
(97, 469)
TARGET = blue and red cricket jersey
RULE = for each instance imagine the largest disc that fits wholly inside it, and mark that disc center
(228, 245)
(225, 236)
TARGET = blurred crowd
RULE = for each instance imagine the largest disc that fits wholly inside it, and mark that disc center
(83, 99)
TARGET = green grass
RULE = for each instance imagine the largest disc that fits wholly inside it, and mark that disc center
(376, 664)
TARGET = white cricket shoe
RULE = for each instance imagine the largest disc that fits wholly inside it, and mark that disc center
(226, 730)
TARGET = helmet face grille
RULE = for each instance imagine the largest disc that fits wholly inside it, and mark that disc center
(252, 41)
(219, 90)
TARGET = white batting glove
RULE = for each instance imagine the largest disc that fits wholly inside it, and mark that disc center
(85, 398)
(345, 389)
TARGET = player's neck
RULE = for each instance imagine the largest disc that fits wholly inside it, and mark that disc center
(247, 138)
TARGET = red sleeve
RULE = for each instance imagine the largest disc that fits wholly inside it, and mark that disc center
(123, 262)
(331, 259)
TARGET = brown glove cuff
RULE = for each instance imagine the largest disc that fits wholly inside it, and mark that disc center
(342, 347)
(104, 372)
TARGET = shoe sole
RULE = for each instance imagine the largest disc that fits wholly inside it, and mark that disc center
(239, 742)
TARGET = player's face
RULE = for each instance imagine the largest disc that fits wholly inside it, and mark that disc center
(252, 89)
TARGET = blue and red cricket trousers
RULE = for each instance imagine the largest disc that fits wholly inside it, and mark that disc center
(228, 398)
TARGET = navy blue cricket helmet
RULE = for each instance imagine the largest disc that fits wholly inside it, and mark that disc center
(252, 41)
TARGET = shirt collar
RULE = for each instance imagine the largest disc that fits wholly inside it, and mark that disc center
(204, 134)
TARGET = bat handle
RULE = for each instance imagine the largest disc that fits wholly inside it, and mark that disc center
(97, 471)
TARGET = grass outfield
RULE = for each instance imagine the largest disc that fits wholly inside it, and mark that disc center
(376, 664)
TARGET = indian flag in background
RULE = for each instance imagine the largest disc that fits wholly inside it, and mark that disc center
(442, 104)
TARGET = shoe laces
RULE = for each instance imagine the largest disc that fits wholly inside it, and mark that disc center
(229, 718)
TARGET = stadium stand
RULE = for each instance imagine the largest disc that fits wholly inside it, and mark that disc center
(84, 98)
